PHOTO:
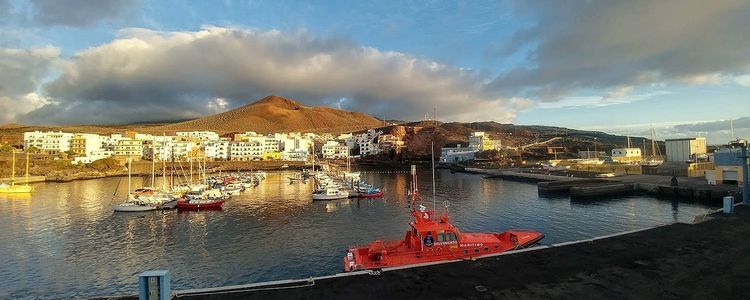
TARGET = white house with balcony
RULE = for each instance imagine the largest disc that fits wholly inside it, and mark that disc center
(52, 142)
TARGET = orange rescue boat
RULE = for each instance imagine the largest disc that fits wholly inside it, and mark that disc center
(431, 238)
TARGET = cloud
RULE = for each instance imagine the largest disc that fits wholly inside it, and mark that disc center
(150, 75)
(618, 96)
(21, 72)
(79, 13)
(743, 80)
(716, 132)
(579, 45)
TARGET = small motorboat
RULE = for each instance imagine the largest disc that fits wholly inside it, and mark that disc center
(190, 203)
(134, 207)
(374, 193)
(330, 194)
(432, 238)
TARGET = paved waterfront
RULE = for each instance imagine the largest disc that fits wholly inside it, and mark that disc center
(681, 261)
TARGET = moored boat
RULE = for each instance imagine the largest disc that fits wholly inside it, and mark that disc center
(200, 204)
(330, 194)
(432, 237)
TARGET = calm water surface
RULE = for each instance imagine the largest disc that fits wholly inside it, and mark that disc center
(64, 241)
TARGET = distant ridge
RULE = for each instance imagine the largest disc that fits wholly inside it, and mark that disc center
(278, 114)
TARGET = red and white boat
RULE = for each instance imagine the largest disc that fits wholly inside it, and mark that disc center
(431, 238)
(199, 204)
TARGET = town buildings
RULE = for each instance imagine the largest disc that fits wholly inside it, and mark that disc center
(626, 155)
(52, 143)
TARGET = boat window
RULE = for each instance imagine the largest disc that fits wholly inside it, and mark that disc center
(450, 236)
(441, 237)
(466, 251)
(486, 248)
(476, 250)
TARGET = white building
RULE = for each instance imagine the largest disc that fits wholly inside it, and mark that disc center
(481, 141)
(334, 150)
(294, 146)
(93, 156)
(368, 142)
(52, 143)
(457, 154)
(129, 148)
(83, 144)
(200, 135)
(245, 151)
(626, 154)
(166, 150)
(216, 150)
(685, 149)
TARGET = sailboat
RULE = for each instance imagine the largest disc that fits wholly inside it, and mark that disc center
(656, 158)
(133, 203)
(12, 187)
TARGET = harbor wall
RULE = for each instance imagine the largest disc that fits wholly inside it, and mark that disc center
(668, 261)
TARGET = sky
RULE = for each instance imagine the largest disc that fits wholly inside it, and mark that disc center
(680, 66)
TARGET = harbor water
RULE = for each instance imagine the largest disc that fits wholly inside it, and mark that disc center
(64, 241)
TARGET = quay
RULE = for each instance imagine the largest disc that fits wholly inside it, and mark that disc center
(22, 179)
(703, 260)
(688, 188)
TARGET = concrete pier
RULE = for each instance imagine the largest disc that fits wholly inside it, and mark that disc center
(706, 260)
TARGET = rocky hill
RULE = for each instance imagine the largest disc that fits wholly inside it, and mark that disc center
(278, 114)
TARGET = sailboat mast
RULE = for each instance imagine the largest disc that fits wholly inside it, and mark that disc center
(27, 167)
(190, 159)
(153, 163)
(13, 170)
(434, 193)
(130, 164)
(653, 142)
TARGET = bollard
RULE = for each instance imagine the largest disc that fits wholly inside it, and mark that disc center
(154, 285)
(728, 204)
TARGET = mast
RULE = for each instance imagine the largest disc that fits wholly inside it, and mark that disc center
(130, 163)
(13, 170)
(153, 163)
(164, 164)
(731, 129)
(190, 159)
(629, 140)
(434, 193)
(27, 167)
(653, 142)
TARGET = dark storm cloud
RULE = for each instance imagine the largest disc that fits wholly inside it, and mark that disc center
(21, 71)
(79, 12)
(611, 44)
(151, 75)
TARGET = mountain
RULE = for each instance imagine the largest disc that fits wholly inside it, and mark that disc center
(278, 114)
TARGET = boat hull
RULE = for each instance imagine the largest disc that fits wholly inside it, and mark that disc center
(17, 189)
(373, 195)
(133, 208)
(317, 197)
(362, 258)
(199, 206)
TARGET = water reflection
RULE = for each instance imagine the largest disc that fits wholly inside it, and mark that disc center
(64, 241)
